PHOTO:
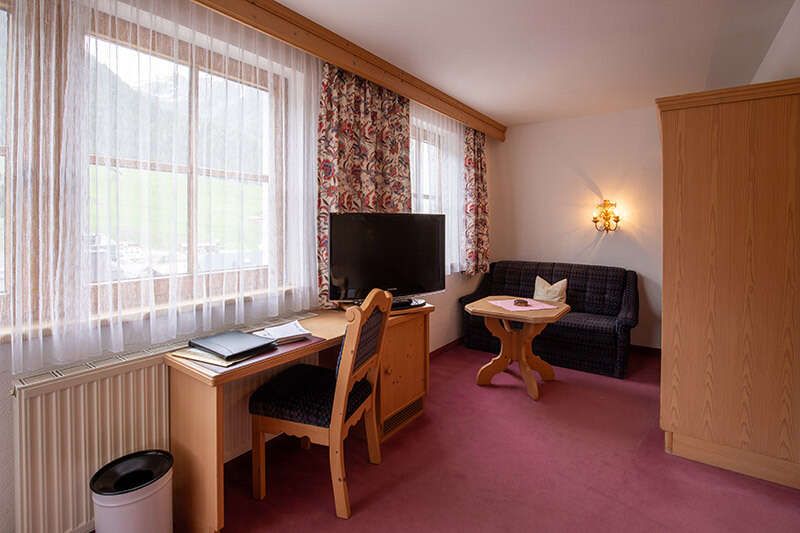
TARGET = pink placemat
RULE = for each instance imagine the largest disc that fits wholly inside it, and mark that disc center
(533, 305)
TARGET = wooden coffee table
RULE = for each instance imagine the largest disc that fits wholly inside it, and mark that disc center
(515, 344)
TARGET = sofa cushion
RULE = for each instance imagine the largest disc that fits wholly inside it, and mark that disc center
(590, 288)
(582, 329)
(589, 322)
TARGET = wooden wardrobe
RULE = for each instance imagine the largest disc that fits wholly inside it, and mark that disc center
(730, 369)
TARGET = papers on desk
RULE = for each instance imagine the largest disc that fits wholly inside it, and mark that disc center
(195, 354)
(285, 333)
(533, 305)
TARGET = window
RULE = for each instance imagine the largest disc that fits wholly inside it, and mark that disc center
(188, 193)
(161, 178)
(233, 173)
(426, 147)
(138, 177)
(437, 177)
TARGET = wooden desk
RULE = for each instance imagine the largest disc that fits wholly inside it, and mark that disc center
(515, 344)
(197, 422)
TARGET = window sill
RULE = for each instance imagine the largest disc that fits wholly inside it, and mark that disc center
(53, 373)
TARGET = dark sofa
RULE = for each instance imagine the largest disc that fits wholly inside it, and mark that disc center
(593, 337)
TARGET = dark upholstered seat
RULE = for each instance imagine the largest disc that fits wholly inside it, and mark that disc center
(601, 324)
(304, 394)
(594, 336)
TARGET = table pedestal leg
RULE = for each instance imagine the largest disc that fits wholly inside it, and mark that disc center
(534, 361)
(541, 366)
(515, 345)
(501, 362)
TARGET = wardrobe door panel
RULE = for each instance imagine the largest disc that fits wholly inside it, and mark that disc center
(689, 277)
(773, 401)
(730, 376)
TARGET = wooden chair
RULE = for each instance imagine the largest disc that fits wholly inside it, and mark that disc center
(321, 405)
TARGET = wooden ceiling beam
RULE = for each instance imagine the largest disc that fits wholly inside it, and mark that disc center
(292, 28)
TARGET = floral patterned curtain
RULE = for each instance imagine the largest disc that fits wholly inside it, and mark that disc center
(476, 202)
(363, 154)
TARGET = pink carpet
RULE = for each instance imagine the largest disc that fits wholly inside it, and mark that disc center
(587, 457)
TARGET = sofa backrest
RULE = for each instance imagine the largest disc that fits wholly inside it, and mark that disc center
(590, 288)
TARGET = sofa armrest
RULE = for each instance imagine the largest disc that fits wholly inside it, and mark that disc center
(628, 315)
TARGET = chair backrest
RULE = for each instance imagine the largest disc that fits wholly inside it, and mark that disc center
(361, 349)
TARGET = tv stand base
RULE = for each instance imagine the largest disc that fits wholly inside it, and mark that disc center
(407, 303)
(397, 303)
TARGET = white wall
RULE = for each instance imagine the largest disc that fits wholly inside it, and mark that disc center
(783, 57)
(547, 179)
(446, 319)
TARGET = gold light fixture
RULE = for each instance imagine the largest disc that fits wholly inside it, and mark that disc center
(605, 216)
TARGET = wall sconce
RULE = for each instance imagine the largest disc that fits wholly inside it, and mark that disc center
(605, 216)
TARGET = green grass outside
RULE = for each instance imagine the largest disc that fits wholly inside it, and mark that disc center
(129, 205)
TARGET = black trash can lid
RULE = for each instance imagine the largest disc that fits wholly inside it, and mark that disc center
(131, 472)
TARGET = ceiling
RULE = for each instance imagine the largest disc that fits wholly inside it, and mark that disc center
(522, 61)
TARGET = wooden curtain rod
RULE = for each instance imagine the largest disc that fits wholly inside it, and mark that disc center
(282, 23)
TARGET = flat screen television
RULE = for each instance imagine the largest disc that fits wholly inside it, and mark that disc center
(400, 253)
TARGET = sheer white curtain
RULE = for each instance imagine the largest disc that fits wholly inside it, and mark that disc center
(163, 179)
(437, 177)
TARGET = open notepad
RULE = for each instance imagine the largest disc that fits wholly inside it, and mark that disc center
(285, 333)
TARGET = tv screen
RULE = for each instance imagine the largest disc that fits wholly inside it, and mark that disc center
(400, 253)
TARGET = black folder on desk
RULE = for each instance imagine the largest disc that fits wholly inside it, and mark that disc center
(234, 344)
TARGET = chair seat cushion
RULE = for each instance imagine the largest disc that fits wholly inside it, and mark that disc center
(304, 394)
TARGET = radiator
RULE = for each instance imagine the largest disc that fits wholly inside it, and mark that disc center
(71, 421)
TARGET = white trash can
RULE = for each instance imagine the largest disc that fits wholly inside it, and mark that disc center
(133, 494)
